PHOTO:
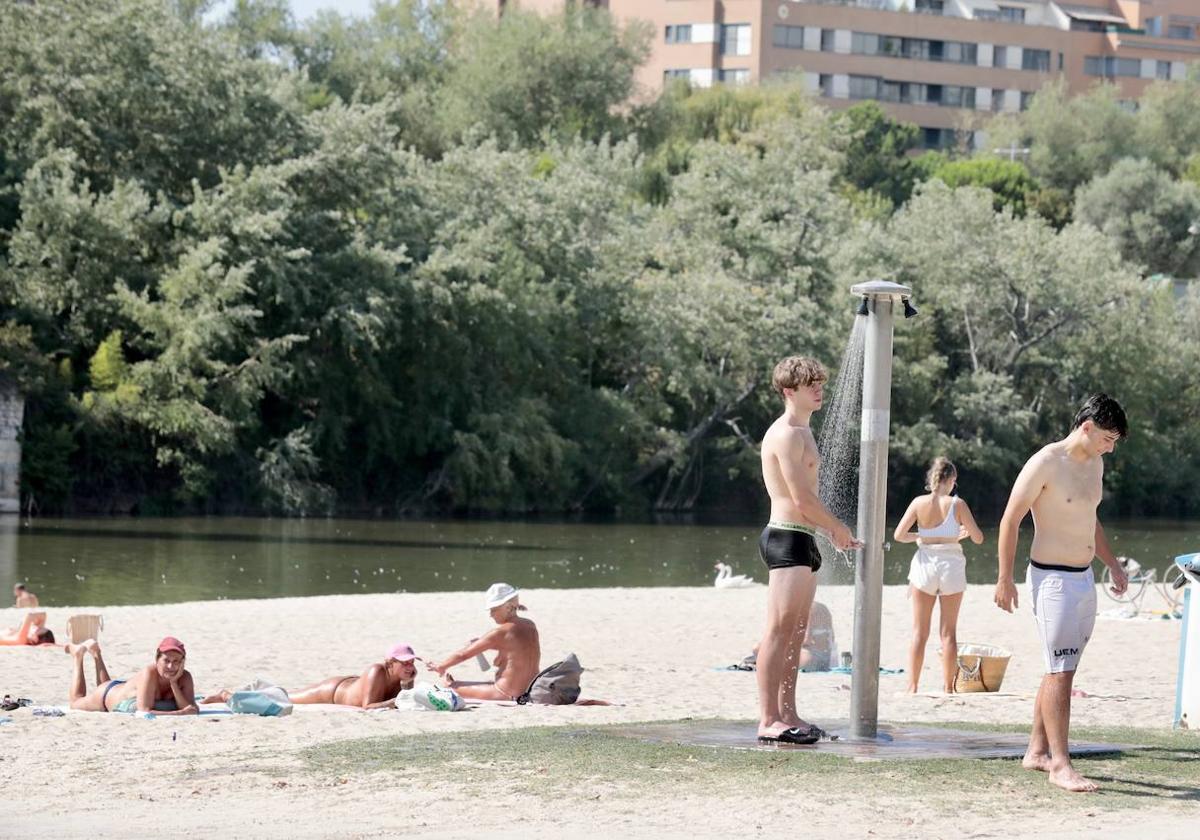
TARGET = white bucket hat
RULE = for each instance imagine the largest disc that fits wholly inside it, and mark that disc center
(499, 593)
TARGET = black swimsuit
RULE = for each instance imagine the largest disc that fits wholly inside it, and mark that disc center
(782, 546)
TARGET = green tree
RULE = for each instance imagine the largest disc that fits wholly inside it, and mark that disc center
(1009, 182)
(877, 152)
(529, 74)
(1150, 216)
(1072, 138)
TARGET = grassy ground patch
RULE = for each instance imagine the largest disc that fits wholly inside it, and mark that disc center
(573, 761)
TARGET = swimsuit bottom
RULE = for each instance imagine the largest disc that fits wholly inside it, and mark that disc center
(783, 545)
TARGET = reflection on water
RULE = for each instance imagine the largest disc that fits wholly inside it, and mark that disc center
(138, 561)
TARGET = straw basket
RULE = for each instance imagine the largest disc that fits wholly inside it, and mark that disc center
(980, 667)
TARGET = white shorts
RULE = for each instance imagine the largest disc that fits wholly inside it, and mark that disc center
(939, 569)
(1064, 604)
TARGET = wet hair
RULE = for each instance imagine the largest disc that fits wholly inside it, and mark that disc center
(45, 636)
(939, 471)
(797, 372)
(1105, 413)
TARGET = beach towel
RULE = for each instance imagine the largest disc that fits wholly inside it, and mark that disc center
(266, 702)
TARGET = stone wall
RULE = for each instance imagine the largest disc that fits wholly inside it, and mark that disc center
(12, 413)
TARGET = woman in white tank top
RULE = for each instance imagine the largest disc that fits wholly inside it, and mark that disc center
(939, 568)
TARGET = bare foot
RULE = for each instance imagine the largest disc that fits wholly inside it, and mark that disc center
(912, 689)
(1068, 778)
(1036, 761)
(772, 730)
(76, 650)
(91, 646)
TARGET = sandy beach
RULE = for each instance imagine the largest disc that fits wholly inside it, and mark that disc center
(653, 652)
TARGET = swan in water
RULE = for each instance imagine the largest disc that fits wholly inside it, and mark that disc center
(726, 579)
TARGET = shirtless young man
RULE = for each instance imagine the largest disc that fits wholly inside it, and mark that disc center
(164, 687)
(33, 631)
(376, 688)
(23, 598)
(790, 465)
(1062, 484)
(518, 651)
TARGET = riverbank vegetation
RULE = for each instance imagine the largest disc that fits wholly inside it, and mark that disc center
(428, 261)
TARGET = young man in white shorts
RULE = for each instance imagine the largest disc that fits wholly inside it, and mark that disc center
(1062, 484)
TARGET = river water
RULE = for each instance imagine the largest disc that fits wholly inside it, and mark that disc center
(147, 561)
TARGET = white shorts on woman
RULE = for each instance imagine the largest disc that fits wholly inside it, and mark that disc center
(939, 569)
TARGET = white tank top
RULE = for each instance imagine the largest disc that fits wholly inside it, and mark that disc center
(949, 526)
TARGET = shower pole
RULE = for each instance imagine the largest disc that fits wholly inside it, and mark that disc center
(880, 298)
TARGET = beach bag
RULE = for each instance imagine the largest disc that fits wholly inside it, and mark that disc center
(269, 701)
(557, 685)
(980, 667)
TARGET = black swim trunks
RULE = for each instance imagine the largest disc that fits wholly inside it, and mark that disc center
(782, 547)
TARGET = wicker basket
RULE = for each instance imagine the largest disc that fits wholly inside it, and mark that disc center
(980, 667)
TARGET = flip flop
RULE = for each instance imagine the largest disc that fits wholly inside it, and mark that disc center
(795, 735)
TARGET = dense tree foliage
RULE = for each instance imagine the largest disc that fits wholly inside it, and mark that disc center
(434, 261)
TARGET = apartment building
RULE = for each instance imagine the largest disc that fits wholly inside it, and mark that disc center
(945, 65)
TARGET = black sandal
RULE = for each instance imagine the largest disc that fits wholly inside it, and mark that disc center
(795, 735)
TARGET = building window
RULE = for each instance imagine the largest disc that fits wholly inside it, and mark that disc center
(668, 75)
(1012, 14)
(789, 37)
(735, 39)
(826, 40)
(864, 87)
(1183, 33)
(1060, 62)
(1026, 98)
(1163, 70)
(997, 99)
(734, 76)
(679, 34)
(1110, 66)
(1000, 56)
(825, 83)
(1154, 27)
(938, 138)
(954, 96)
(930, 7)
(958, 52)
(1038, 60)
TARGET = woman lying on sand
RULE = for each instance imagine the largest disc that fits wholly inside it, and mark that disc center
(33, 631)
(164, 687)
(375, 688)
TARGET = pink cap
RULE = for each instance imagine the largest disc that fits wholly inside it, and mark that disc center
(171, 643)
(402, 652)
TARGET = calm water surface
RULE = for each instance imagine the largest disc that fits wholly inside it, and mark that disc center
(143, 561)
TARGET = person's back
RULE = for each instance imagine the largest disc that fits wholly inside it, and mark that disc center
(23, 598)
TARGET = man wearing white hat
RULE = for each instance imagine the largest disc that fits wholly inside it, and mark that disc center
(518, 650)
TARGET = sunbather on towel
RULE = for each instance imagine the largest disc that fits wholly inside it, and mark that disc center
(33, 631)
(164, 687)
(375, 688)
(23, 599)
(518, 651)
